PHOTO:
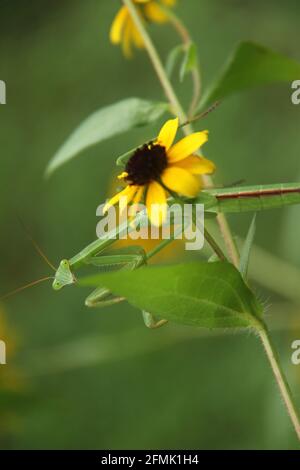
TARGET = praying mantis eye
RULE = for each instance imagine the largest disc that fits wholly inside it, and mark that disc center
(57, 285)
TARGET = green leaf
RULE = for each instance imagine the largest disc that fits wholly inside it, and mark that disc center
(106, 123)
(190, 61)
(209, 295)
(246, 251)
(251, 65)
(253, 198)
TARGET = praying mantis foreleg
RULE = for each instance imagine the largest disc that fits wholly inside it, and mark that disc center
(133, 258)
(102, 297)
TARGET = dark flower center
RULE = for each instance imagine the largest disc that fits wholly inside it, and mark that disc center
(146, 164)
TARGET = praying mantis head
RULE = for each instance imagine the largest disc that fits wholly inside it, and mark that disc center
(63, 276)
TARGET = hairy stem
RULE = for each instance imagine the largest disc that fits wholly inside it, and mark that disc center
(229, 240)
(282, 383)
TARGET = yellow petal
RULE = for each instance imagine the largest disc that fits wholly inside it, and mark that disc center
(156, 203)
(132, 189)
(137, 198)
(181, 181)
(136, 37)
(127, 39)
(127, 193)
(168, 133)
(187, 146)
(169, 3)
(196, 165)
(118, 24)
(154, 13)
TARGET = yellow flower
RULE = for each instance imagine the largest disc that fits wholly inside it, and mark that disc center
(160, 166)
(173, 251)
(123, 30)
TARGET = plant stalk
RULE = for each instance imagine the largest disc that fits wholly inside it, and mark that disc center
(179, 111)
(213, 244)
(281, 380)
(156, 61)
(187, 41)
(208, 237)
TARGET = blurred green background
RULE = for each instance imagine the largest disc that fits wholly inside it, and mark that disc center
(79, 378)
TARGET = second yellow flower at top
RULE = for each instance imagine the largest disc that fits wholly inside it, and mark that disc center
(123, 30)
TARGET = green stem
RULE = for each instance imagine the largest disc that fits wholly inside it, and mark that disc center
(282, 383)
(208, 237)
(213, 244)
(156, 61)
(228, 238)
(160, 247)
(187, 41)
(178, 110)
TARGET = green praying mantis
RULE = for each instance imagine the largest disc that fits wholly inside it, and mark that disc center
(126, 259)
(223, 200)
(129, 258)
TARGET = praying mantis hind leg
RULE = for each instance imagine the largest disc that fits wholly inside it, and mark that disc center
(102, 297)
(151, 322)
(126, 260)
